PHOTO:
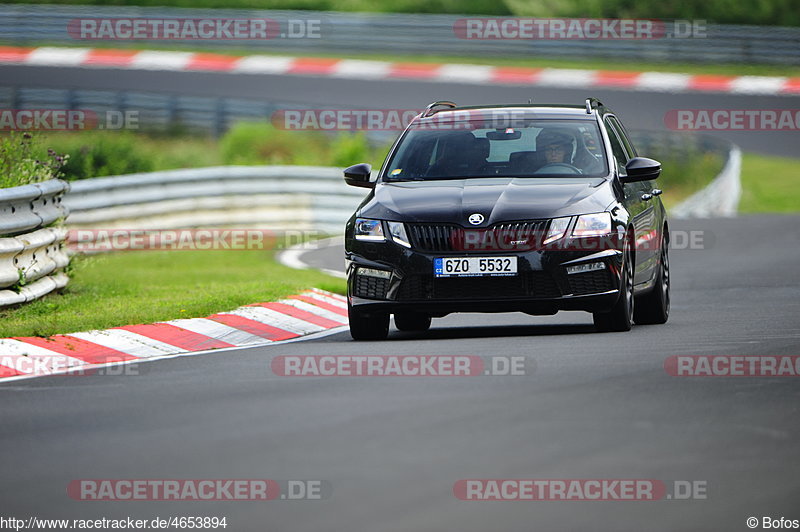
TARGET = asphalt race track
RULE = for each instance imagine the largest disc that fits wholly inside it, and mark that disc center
(592, 406)
(638, 110)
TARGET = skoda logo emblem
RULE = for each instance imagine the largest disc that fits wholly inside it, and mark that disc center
(475, 219)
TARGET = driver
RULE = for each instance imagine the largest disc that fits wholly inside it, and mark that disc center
(556, 145)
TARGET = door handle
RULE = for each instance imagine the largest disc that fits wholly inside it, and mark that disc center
(647, 197)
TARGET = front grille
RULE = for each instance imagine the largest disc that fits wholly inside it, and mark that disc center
(591, 282)
(431, 237)
(371, 287)
(528, 284)
(442, 238)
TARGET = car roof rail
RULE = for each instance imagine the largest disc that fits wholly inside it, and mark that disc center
(592, 103)
(429, 111)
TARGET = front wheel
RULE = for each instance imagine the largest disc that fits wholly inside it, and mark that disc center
(365, 326)
(621, 316)
(653, 307)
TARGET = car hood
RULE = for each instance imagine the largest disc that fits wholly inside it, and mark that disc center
(497, 199)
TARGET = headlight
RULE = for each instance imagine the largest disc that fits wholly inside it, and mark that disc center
(398, 232)
(592, 225)
(370, 230)
(558, 226)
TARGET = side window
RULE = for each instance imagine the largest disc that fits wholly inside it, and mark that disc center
(616, 148)
(623, 136)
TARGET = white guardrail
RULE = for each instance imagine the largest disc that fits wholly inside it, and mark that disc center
(266, 197)
(32, 256)
(718, 198)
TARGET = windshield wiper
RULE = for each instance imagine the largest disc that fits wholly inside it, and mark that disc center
(396, 179)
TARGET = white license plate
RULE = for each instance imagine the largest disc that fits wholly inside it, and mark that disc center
(474, 266)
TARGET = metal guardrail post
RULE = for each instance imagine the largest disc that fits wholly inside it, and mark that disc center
(219, 118)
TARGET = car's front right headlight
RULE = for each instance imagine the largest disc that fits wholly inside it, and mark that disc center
(369, 230)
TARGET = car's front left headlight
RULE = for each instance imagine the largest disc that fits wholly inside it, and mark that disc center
(588, 225)
(398, 232)
(369, 230)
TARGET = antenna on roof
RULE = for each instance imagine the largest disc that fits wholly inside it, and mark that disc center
(431, 109)
(592, 103)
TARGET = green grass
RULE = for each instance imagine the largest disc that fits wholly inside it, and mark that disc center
(147, 286)
(770, 184)
(530, 61)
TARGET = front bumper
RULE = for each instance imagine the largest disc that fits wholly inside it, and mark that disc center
(386, 277)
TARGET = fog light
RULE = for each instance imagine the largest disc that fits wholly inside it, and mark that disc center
(588, 267)
(372, 272)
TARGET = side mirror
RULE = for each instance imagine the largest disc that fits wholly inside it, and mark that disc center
(641, 169)
(358, 176)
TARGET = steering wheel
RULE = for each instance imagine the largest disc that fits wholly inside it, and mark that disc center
(549, 167)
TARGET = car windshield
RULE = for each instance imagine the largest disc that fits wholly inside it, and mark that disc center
(475, 148)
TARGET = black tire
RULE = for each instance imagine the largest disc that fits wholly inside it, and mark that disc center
(412, 322)
(365, 326)
(653, 308)
(620, 318)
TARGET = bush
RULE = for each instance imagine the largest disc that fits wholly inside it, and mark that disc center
(349, 149)
(262, 143)
(23, 160)
(99, 153)
(259, 143)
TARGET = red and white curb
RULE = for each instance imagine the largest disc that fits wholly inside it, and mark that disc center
(359, 69)
(311, 312)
